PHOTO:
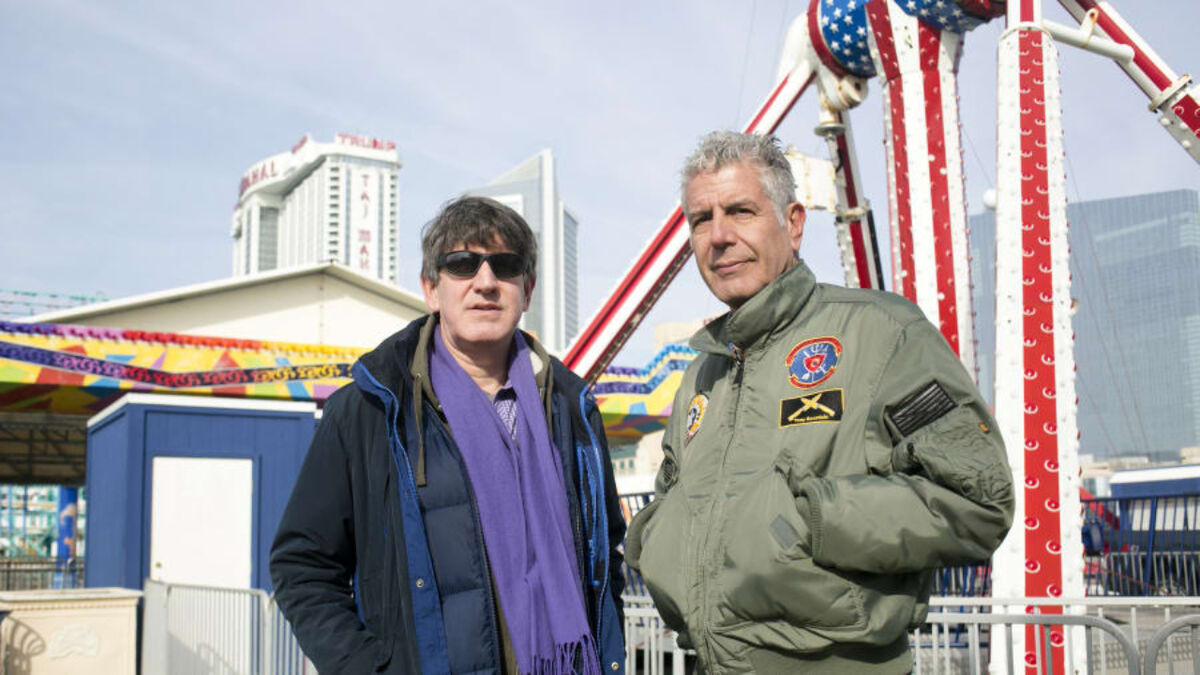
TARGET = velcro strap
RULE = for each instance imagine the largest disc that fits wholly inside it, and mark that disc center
(920, 409)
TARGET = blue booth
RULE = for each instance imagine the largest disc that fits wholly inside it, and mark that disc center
(190, 489)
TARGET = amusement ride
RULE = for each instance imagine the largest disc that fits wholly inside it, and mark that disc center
(914, 47)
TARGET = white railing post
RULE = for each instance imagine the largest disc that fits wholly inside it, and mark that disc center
(154, 628)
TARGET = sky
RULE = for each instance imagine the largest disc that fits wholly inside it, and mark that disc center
(126, 126)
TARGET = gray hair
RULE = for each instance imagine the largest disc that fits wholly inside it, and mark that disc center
(476, 221)
(721, 148)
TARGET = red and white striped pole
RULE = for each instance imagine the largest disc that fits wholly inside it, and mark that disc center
(1035, 364)
(926, 198)
(855, 224)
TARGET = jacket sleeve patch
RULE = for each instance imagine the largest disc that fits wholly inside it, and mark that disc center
(695, 413)
(924, 407)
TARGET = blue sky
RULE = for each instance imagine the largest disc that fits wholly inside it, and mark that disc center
(126, 126)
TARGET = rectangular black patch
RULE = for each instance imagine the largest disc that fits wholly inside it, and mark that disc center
(819, 406)
(920, 409)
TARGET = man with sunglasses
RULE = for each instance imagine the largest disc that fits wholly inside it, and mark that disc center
(457, 510)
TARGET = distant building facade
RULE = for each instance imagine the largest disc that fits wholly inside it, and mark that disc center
(531, 189)
(1135, 268)
(320, 202)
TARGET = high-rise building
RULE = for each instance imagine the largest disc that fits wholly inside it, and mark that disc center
(1135, 268)
(320, 202)
(531, 189)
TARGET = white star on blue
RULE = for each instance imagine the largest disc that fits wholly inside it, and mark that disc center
(844, 30)
(941, 14)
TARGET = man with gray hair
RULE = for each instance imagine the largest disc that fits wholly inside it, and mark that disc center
(825, 453)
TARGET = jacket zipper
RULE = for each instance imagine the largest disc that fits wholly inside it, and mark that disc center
(707, 567)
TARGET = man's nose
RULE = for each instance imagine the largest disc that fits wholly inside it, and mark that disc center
(722, 232)
(484, 277)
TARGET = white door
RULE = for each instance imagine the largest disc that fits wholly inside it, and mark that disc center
(200, 521)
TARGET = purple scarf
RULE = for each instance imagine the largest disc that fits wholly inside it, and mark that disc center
(523, 509)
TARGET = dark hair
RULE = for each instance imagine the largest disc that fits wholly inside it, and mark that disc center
(476, 221)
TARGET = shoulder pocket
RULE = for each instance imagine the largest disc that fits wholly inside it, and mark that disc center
(958, 451)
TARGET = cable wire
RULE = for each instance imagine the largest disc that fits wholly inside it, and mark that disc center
(1136, 425)
(746, 62)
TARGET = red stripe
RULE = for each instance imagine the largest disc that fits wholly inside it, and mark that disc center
(1189, 113)
(766, 106)
(862, 263)
(656, 248)
(881, 25)
(753, 126)
(929, 48)
(1043, 527)
(846, 166)
(1026, 10)
(173, 338)
(779, 118)
(1186, 108)
(1115, 33)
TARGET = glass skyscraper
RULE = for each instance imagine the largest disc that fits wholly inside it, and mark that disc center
(1135, 288)
(531, 189)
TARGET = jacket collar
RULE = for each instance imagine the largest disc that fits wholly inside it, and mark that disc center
(747, 327)
(419, 368)
(411, 346)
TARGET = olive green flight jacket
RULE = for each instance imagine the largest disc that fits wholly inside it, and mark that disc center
(826, 451)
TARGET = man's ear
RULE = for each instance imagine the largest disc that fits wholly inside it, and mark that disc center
(430, 290)
(795, 215)
(529, 284)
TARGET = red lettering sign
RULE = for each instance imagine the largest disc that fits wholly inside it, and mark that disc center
(256, 174)
(365, 142)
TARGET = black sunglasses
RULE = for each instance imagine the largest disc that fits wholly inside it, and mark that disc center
(464, 264)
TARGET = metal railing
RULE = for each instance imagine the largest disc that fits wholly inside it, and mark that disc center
(199, 629)
(1097, 635)
(1164, 634)
(1140, 621)
(650, 647)
(202, 629)
(36, 573)
(975, 642)
(1147, 524)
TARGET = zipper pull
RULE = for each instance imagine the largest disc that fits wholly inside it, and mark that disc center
(739, 358)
